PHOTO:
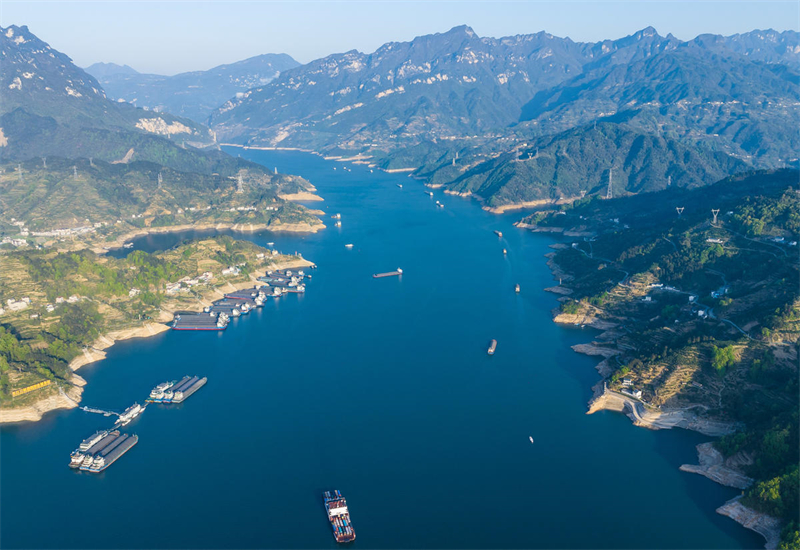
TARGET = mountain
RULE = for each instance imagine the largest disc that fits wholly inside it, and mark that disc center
(104, 70)
(578, 161)
(194, 95)
(435, 87)
(53, 115)
(456, 85)
(69, 193)
(701, 90)
(50, 107)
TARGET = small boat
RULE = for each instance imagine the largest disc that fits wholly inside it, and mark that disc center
(334, 168)
(348, 246)
(127, 245)
(338, 224)
(430, 193)
(505, 251)
(531, 438)
(516, 288)
(270, 244)
(492, 347)
(499, 233)
(370, 171)
(400, 185)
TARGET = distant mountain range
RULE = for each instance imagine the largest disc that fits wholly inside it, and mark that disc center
(732, 102)
(53, 116)
(48, 106)
(194, 95)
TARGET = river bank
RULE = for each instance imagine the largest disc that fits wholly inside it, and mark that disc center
(242, 228)
(711, 463)
(97, 350)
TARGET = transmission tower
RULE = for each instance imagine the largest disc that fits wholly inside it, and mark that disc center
(609, 194)
(239, 184)
(583, 193)
(454, 161)
(19, 173)
(715, 213)
(91, 162)
(276, 169)
(669, 181)
(44, 162)
(75, 172)
(160, 180)
(680, 210)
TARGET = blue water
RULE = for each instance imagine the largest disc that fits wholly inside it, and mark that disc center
(380, 388)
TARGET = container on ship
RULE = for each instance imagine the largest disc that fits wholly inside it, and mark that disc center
(339, 516)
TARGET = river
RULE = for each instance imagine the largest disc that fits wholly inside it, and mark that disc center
(381, 388)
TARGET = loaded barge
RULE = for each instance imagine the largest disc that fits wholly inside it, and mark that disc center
(199, 321)
(103, 453)
(339, 516)
(389, 274)
(177, 392)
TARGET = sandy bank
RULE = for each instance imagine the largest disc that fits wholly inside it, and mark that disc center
(716, 468)
(528, 204)
(240, 227)
(398, 170)
(35, 411)
(766, 526)
(301, 196)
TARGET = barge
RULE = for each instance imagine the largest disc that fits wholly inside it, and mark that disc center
(339, 516)
(199, 321)
(492, 347)
(103, 452)
(105, 458)
(389, 274)
(181, 391)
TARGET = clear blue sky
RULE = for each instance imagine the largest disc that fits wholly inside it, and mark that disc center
(172, 37)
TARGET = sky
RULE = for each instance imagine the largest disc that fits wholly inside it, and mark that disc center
(177, 36)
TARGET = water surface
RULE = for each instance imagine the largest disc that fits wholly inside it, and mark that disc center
(380, 388)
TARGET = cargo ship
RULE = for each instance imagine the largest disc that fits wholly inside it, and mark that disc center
(499, 233)
(389, 274)
(181, 391)
(492, 347)
(199, 321)
(129, 414)
(339, 516)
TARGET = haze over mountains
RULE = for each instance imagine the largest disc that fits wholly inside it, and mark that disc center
(195, 94)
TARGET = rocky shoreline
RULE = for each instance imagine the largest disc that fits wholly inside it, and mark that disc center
(711, 463)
